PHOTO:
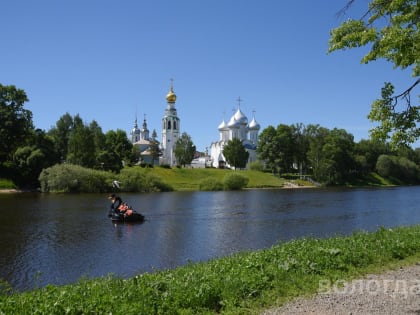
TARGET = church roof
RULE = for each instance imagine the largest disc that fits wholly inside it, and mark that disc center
(233, 123)
(142, 141)
(240, 117)
(253, 125)
(223, 125)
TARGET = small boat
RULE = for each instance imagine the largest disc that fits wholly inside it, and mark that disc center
(121, 217)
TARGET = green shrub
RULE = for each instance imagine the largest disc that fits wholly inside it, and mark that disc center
(74, 178)
(210, 184)
(6, 184)
(397, 168)
(135, 180)
(235, 181)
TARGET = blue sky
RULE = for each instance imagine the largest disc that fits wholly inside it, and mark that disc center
(112, 60)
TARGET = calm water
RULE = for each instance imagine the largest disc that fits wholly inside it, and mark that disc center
(48, 238)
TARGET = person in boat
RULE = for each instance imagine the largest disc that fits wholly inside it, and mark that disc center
(125, 209)
(116, 202)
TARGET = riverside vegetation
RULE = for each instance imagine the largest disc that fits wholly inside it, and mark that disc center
(244, 283)
(77, 179)
(74, 178)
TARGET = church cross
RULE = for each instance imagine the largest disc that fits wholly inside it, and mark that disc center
(239, 101)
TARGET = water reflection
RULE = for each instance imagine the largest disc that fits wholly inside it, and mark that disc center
(60, 238)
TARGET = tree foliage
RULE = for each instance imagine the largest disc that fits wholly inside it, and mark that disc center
(15, 121)
(234, 181)
(61, 134)
(397, 167)
(118, 142)
(184, 149)
(154, 148)
(81, 145)
(268, 148)
(391, 29)
(331, 156)
(235, 153)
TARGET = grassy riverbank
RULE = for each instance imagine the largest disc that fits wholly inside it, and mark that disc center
(73, 178)
(190, 179)
(240, 284)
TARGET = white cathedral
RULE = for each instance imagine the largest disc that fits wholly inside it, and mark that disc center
(236, 128)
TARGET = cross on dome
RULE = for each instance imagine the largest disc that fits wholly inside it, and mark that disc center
(239, 101)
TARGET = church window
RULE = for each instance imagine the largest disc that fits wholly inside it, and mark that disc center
(174, 125)
(169, 124)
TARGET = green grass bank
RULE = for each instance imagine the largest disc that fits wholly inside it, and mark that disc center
(73, 178)
(190, 179)
(243, 283)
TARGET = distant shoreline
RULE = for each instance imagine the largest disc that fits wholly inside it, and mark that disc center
(287, 186)
(9, 191)
(15, 191)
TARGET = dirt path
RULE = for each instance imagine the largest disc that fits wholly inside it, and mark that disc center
(393, 292)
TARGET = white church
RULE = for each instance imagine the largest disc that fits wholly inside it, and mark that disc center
(237, 127)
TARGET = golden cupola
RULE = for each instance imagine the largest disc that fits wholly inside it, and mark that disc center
(171, 96)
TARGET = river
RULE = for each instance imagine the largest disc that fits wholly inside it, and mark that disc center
(60, 238)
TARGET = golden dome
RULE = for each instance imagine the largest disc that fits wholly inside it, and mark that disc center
(171, 97)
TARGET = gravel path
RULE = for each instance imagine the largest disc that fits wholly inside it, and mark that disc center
(393, 292)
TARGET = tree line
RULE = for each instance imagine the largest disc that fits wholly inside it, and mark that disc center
(329, 156)
(27, 150)
(332, 156)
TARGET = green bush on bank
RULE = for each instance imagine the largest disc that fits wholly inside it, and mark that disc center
(7, 184)
(235, 181)
(231, 181)
(138, 180)
(74, 179)
(239, 284)
(77, 179)
(210, 184)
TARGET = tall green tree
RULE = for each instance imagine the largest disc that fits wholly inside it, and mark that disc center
(61, 133)
(81, 145)
(367, 153)
(235, 153)
(338, 157)
(315, 135)
(30, 159)
(268, 148)
(118, 142)
(287, 148)
(98, 136)
(155, 151)
(184, 149)
(391, 30)
(15, 121)
(301, 143)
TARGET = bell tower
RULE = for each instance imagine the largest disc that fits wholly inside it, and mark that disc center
(170, 128)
